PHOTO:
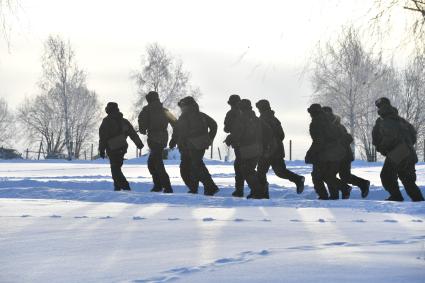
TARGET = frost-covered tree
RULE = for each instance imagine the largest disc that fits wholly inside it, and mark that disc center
(7, 125)
(61, 74)
(66, 113)
(163, 73)
(343, 74)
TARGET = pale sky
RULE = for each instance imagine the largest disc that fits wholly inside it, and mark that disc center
(257, 49)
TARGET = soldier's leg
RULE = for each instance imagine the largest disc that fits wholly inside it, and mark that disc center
(117, 160)
(348, 178)
(279, 168)
(318, 183)
(250, 175)
(201, 173)
(159, 168)
(407, 175)
(262, 169)
(239, 180)
(185, 172)
(389, 180)
(152, 166)
(330, 170)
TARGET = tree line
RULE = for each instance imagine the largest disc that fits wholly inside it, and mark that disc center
(65, 113)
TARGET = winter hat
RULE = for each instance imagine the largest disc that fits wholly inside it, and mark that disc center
(112, 107)
(263, 105)
(327, 109)
(382, 101)
(314, 108)
(245, 105)
(188, 100)
(152, 96)
(234, 99)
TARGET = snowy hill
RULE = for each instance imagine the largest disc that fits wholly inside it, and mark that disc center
(61, 222)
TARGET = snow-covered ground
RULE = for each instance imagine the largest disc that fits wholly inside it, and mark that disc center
(61, 222)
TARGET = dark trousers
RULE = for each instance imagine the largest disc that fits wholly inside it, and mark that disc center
(325, 171)
(116, 160)
(195, 171)
(407, 174)
(185, 171)
(156, 167)
(251, 176)
(237, 164)
(347, 177)
(279, 168)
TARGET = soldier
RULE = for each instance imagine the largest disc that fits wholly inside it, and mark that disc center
(345, 165)
(394, 138)
(113, 133)
(247, 136)
(325, 154)
(276, 156)
(194, 133)
(229, 121)
(153, 121)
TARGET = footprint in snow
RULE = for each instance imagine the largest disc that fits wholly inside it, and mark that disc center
(208, 219)
(417, 220)
(138, 218)
(239, 220)
(173, 219)
(336, 244)
(55, 216)
(80, 217)
(321, 220)
(266, 220)
(390, 221)
(359, 221)
(25, 215)
(105, 217)
(295, 220)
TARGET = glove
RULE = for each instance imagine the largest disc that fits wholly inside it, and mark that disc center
(228, 140)
(102, 154)
(172, 144)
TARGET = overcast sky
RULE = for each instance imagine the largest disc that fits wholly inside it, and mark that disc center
(257, 49)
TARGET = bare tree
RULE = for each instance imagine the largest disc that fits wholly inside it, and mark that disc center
(61, 74)
(343, 74)
(42, 121)
(85, 113)
(7, 125)
(8, 8)
(163, 73)
(386, 14)
(412, 95)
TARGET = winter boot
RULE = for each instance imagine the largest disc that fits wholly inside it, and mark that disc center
(300, 185)
(168, 191)
(364, 188)
(156, 189)
(346, 192)
(238, 193)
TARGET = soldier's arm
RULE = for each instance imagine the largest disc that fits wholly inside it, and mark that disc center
(318, 138)
(227, 123)
(212, 126)
(133, 135)
(143, 121)
(102, 137)
(236, 132)
(279, 130)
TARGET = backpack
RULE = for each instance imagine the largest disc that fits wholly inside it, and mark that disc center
(408, 132)
(200, 138)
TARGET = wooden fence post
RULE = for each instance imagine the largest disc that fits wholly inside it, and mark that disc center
(290, 150)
